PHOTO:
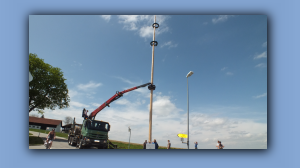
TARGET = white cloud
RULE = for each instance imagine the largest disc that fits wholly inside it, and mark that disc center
(163, 106)
(106, 17)
(146, 31)
(262, 55)
(126, 81)
(259, 96)
(221, 18)
(130, 21)
(88, 86)
(75, 63)
(123, 102)
(72, 93)
(265, 44)
(223, 68)
(234, 132)
(169, 120)
(142, 24)
(77, 104)
(229, 73)
(96, 104)
(261, 65)
(169, 44)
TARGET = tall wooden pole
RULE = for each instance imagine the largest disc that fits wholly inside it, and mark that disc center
(152, 69)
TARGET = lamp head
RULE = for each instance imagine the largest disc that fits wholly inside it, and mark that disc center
(189, 74)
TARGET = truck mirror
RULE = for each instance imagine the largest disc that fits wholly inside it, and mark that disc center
(108, 127)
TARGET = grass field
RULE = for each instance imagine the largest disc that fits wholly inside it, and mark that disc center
(121, 144)
(64, 135)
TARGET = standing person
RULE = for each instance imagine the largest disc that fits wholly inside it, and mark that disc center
(169, 145)
(51, 136)
(156, 144)
(86, 115)
(221, 145)
(144, 144)
(218, 144)
(196, 144)
(83, 113)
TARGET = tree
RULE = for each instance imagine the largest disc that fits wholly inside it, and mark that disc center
(41, 112)
(48, 88)
(68, 120)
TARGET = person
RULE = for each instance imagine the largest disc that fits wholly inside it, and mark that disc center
(169, 145)
(156, 144)
(196, 144)
(83, 113)
(144, 144)
(219, 145)
(51, 137)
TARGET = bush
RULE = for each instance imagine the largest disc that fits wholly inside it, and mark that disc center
(33, 140)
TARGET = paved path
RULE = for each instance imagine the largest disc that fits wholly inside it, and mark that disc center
(58, 143)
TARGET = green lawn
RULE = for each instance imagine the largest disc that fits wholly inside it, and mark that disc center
(124, 145)
(64, 135)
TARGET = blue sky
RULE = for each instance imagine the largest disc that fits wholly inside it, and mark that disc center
(100, 55)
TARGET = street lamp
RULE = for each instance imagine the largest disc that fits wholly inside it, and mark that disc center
(129, 130)
(187, 77)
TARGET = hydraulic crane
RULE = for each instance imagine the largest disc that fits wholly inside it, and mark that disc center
(117, 96)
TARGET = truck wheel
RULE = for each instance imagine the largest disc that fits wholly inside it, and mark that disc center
(69, 141)
(80, 145)
(72, 143)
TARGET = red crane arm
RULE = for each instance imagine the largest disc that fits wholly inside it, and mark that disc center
(113, 98)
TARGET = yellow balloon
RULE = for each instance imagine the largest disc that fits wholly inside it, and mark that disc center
(182, 135)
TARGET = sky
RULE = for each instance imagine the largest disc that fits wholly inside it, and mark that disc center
(100, 55)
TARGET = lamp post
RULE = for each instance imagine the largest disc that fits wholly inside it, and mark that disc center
(129, 130)
(187, 77)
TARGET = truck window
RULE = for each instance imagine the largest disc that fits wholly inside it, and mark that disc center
(97, 125)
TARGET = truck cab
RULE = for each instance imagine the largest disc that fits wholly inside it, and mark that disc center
(92, 133)
(95, 133)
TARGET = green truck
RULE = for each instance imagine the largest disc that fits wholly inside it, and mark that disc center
(91, 133)
(94, 133)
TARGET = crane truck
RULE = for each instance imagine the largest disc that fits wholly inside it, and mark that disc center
(94, 133)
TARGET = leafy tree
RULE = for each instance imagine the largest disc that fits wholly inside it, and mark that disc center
(68, 120)
(48, 88)
(41, 112)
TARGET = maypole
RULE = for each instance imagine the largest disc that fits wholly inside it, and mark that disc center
(152, 87)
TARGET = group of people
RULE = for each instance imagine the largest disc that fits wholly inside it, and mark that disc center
(156, 144)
